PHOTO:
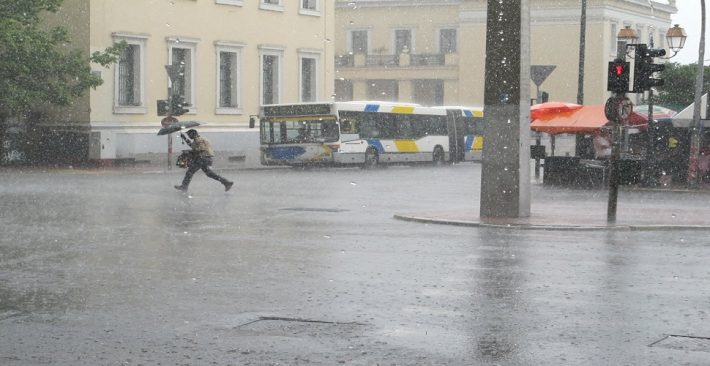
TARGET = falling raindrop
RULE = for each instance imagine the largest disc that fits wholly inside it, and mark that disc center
(353, 183)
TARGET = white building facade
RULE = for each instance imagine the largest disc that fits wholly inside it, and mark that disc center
(233, 57)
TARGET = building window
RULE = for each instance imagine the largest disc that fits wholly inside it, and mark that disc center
(228, 79)
(359, 42)
(271, 5)
(129, 93)
(270, 77)
(129, 76)
(402, 41)
(343, 90)
(614, 39)
(447, 41)
(182, 56)
(428, 92)
(309, 78)
(309, 5)
(383, 90)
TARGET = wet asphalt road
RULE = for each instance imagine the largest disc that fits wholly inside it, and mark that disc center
(309, 267)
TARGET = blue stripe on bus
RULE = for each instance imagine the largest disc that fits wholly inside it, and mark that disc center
(467, 113)
(469, 143)
(285, 153)
(372, 107)
(376, 144)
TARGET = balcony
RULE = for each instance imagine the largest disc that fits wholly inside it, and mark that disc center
(401, 60)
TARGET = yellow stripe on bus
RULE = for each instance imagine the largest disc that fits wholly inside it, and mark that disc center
(402, 109)
(406, 146)
(477, 143)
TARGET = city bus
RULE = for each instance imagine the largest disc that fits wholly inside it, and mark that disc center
(367, 133)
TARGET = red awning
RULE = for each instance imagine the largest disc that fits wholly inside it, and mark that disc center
(586, 120)
(550, 108)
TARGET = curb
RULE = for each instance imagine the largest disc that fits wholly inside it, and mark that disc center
(550, 227)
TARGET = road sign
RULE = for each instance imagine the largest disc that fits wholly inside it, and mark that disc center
(173, 72)
(538, 73)
(618, 108)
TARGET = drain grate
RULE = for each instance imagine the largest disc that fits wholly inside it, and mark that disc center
(683, 342)
(313, 209)
(281, 326)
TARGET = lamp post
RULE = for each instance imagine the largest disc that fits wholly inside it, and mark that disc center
(676, 40)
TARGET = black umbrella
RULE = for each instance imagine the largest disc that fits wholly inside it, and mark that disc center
(177, 126)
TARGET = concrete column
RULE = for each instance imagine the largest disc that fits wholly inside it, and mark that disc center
(359, 89)
(406, 91)
(505, 181)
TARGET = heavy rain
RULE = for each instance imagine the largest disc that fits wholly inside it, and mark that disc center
(381, 182)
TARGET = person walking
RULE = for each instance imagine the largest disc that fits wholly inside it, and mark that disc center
(203, 154)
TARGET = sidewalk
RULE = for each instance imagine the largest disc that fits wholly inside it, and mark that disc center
(677, 208)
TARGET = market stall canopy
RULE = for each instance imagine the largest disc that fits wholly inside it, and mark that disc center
(659, 113)
(551, 108)
(585, 120)
(684, 118)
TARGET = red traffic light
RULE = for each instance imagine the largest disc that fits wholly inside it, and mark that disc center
(618, 76)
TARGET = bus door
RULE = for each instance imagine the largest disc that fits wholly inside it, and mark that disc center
(457, 133)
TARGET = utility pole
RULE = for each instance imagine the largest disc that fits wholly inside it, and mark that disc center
(696, 128)
(580, 80)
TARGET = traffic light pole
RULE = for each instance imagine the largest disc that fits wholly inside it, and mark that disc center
(170, 135)
(617, 109)
(651, 149)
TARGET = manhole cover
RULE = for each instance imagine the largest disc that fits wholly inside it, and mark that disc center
(277, 326)
(314, 209)
(685, 343)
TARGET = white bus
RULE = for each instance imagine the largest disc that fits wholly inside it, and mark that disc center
(367, 133)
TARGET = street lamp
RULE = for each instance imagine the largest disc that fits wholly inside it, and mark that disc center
(675, 37)
(627, 35)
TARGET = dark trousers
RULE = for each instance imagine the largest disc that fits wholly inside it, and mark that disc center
(205, 164)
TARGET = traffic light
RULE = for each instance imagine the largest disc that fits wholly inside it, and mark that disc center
(178, 106)
(645, 68)
(618, 76)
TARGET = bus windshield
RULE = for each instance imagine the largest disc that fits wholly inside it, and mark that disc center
(292, 130)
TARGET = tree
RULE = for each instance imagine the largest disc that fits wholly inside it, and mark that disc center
(679, 89)
(37, 65)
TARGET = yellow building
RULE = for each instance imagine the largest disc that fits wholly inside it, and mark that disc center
(233, 56)
(433, 51)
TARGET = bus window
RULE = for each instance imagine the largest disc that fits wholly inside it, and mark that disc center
(403, 126)
(329, 131)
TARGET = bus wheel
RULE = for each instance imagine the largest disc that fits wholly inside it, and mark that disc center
(371, 159)
(439, 157)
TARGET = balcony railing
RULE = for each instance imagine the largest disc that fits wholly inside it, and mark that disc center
(382, 60)
(345, 60)
(434, 59)
(403, 60)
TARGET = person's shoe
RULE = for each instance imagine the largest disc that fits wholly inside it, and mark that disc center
(181, 188)
(228, 186)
